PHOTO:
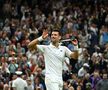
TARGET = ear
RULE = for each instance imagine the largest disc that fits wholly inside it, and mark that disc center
(59, 37)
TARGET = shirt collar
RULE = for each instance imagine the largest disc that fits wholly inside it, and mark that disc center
(54, 46)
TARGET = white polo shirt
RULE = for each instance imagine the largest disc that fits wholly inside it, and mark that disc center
(54, 59)
(66, 61)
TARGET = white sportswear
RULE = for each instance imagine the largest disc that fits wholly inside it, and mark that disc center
(54, 59)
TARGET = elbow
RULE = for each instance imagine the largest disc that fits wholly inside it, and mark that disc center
(29, 46)
(32, 47)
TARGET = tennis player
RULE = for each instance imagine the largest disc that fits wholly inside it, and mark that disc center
(54, 55)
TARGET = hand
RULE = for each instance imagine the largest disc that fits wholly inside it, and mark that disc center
(45, 34)
(75, 42)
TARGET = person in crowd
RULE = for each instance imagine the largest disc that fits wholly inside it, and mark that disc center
(19, 83)
(103, 83)
(83, 70)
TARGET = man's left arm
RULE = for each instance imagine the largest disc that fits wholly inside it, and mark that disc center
(74, 54)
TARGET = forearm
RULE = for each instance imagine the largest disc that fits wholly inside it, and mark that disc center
(32, 44)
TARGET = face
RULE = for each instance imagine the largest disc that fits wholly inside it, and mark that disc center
(55, 37)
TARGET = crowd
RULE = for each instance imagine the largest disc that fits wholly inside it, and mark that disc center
(24, 20)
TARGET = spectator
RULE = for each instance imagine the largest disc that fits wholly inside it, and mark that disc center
(82, 71)
(29, 83)
(102, 84)
(19, 83)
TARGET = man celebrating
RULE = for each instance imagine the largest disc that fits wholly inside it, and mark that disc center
(54, 55)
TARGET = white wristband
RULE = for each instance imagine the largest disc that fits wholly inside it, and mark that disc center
(40, 38)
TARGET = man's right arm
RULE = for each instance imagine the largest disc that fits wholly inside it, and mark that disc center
(32, 44)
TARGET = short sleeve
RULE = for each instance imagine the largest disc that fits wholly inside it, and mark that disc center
(68, 52)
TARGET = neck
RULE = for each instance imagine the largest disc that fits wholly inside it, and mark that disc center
(56, 44)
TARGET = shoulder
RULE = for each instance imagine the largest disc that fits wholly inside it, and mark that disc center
(25, 81)
(64, 47)
(81, 69)
(99, 82)
(42, 46)
(14, 83)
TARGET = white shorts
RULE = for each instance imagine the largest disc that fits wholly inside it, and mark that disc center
(53, 84)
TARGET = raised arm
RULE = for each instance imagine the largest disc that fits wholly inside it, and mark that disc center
(32, 44)
(74, 54)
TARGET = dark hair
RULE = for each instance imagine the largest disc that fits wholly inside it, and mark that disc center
(55, 30)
